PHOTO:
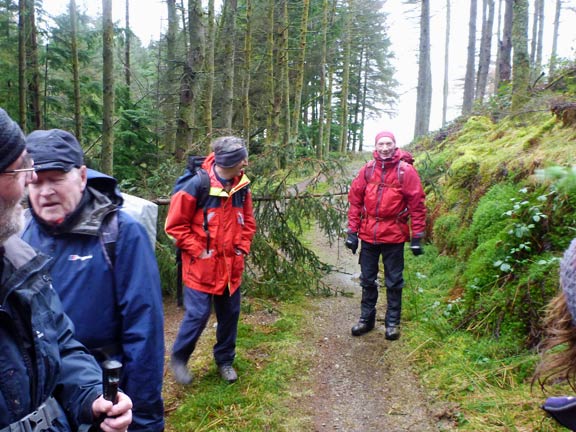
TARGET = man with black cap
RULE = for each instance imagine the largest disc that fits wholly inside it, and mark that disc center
(104, 268)
(212, 255)
(49, 382)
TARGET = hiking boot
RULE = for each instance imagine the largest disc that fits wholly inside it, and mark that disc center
(228, 373)
(362, 327)
(392, 333)
(180, 372)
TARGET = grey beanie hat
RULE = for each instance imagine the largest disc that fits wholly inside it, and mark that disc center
(12, 141)
(229, 151)
(568, 278)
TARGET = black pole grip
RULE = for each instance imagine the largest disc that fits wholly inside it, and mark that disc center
(110, 378)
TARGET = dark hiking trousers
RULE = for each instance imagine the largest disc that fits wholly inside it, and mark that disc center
(393, 260)
(198, 306)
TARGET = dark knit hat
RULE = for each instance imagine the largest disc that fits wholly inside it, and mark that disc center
(54, 149)
(384, 134)
(568, 278)
(229, 151)
(12, 142)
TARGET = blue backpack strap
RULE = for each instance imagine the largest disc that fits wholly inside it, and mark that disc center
(108, 236)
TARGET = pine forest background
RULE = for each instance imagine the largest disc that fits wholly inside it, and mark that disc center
(298, 79)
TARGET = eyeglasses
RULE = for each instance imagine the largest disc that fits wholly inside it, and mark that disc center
(27, 167)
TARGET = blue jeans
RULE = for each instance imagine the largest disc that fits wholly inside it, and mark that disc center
(393, 260)
(198, 306)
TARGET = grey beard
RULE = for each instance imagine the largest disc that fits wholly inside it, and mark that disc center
(11, 220)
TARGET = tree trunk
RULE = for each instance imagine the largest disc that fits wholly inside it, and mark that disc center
(127, 35)
(247, 73)
(22, 11)
(554, 53)
(446, 65)
(169, 108)
(107, 152)
(189, 87)
(284, 90)
(347, 41)
(270, 84)
(499, 41)
(33, 68)
(424, 90)
(521, 69)
(540, 42)
(210, 41)
(323, 71)
(485, 49)
(229, 35)
(470, 61)
(505, 64)
(299, 79)
(75, 70)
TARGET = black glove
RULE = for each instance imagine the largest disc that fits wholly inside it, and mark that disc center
(352, 242)
(416, 247)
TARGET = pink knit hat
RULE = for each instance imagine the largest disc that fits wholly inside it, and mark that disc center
(385, 134)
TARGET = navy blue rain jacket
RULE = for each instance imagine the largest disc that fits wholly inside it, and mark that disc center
(119, 307)
(39, 356)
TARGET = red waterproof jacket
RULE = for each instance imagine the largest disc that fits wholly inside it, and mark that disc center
(231, 226)
(384, 196)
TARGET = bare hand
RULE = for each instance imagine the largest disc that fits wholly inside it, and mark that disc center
(118, 416)
(206, 254)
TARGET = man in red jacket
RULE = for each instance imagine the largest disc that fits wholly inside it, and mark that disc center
(212, 256)
(384, 198)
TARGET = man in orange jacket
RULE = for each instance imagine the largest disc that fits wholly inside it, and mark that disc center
(212, 258)
(385, 195)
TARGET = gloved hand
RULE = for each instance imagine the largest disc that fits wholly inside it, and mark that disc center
(352, 242)
(416, 247)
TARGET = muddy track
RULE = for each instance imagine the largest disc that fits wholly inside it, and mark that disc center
(359, 384)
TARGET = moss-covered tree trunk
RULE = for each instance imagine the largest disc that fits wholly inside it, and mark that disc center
(128, 37)
(75, 70)
(170, 92)
(299, 79)
(107, 151)
(229, 39)
(209, 88)
(247, 73)
(521, 69)
(22, 108)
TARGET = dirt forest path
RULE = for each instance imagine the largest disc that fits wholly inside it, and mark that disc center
(360, 384)
(356, 384)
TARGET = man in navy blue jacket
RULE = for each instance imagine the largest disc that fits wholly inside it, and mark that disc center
(112, 294)
(48, 380)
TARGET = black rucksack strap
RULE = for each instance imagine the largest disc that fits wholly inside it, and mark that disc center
(109, 236)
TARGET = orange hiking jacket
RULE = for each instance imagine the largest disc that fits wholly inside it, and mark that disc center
(231, 227)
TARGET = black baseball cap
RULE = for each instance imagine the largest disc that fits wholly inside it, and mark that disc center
(54, 149)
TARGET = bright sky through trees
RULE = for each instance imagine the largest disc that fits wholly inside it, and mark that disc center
(147, 20)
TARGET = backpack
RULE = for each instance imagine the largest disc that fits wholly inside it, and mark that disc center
(405, 159)
(193, 169)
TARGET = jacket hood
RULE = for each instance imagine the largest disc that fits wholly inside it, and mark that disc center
(105, 184)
